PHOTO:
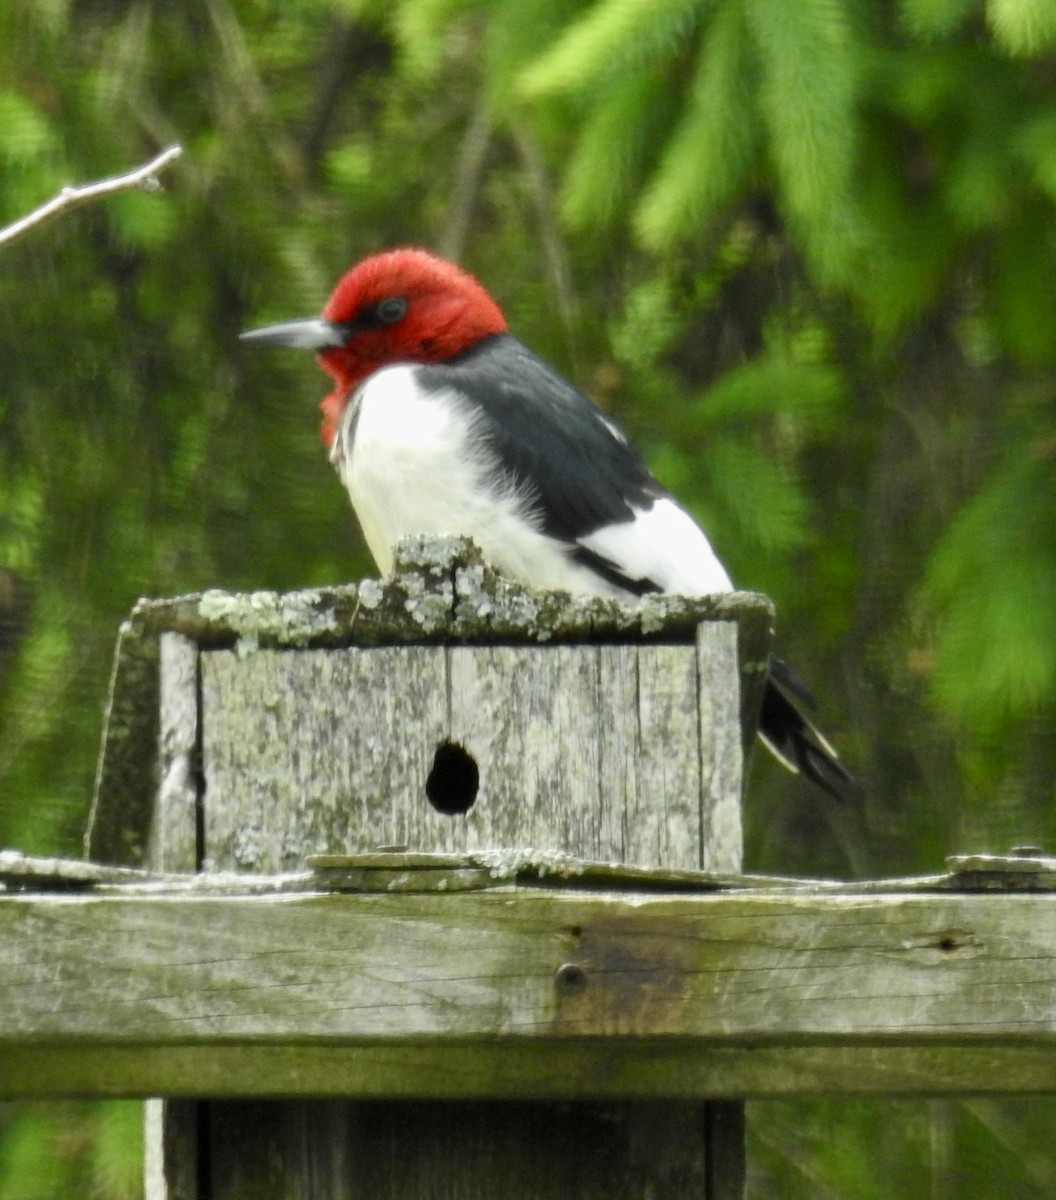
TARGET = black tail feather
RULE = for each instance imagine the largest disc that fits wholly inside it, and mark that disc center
(793, 739)
(790, 683)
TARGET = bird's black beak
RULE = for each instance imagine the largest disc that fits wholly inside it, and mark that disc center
(313, 333)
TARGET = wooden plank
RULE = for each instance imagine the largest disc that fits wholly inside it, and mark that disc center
(119, 821)
(538, 787)
(171, 1126)
(722, 755)
(170, 1140)
(540, 1071)
(310, 751)
(664, 827)
(474, 975)
(175, 834)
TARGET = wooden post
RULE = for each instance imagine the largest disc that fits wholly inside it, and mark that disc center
(172, 1166)
(448, 710)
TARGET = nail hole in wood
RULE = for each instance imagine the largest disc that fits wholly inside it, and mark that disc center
(454, 780)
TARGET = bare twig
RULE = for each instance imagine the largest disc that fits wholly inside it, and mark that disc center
(142, 177)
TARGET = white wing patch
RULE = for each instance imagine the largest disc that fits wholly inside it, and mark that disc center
(664, 544)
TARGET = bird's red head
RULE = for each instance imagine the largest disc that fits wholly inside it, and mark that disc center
(401, 306)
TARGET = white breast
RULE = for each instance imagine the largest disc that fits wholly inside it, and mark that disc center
(414, 461)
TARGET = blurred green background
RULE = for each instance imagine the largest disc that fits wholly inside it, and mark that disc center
(803, 249)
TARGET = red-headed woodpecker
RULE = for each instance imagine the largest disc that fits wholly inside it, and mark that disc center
(441, 421)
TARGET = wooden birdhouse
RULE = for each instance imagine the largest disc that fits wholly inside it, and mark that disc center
(444, 709)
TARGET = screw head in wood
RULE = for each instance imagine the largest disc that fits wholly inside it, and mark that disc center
(570, 979)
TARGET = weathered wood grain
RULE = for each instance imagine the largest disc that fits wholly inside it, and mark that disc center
(170, 1135)
(122, 803)
(175, 827)
(467, 980)
(610, 752)
(531, 719)
(722, 755)
(171, 1126)
(669, 798)
(309, 751)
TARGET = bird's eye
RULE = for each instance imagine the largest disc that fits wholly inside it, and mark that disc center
(391, 309)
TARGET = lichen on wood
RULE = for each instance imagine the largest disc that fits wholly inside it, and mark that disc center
(440, 590)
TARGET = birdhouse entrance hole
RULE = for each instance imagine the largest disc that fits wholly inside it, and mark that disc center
(453, 781)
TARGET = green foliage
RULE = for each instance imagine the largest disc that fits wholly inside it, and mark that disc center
(1001, 633)
(801, 391)
(808, 82)
(65, 1150)
(974, 1150)
(712, 144)
(614, 149)
(789, 70)
(116, 1150)
(935, 18)
(422, 29)
(612, 37)
(1023, 26)
(1037, 148)
(755, 422)
(518, 31)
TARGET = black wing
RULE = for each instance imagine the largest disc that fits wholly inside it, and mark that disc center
(549, 437)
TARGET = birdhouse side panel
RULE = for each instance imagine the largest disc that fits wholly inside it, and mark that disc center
(531, 717)
(316, 750)
(590, 750)
(720, 691)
